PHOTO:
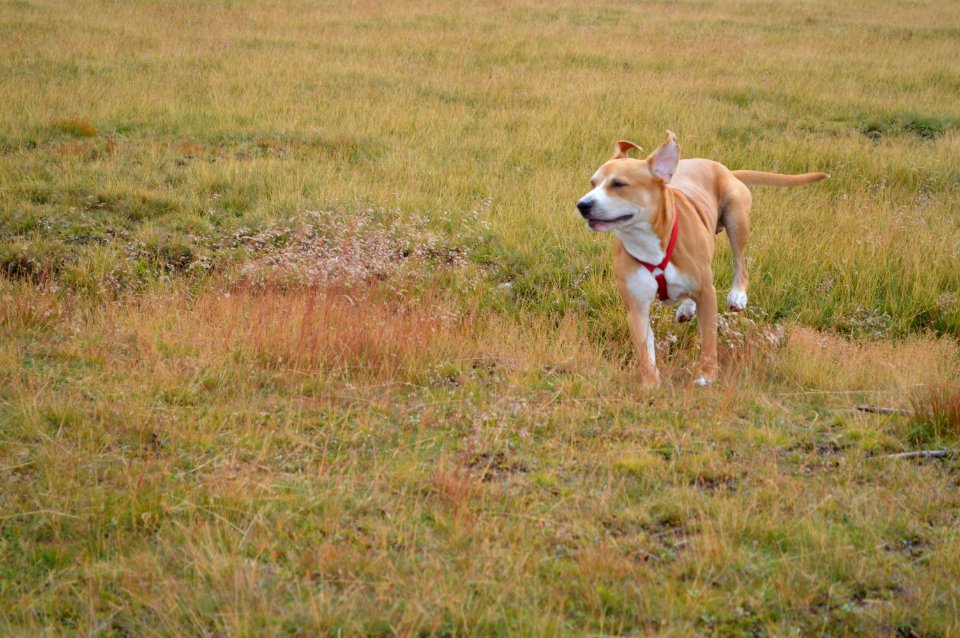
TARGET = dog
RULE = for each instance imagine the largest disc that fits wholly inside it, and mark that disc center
(665, 212)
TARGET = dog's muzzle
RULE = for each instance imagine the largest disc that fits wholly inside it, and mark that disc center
(585, 206)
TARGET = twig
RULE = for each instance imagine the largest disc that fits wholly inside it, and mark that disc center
(876, 409)
(923, 454)
(791, 394)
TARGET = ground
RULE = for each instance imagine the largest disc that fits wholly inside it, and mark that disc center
(301, 333)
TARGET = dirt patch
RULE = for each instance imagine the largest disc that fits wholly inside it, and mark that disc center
(339, 249)
(313, 258)
(813, 457)
(494, 466)
(719, 483)
(668, 538)
(913, 547)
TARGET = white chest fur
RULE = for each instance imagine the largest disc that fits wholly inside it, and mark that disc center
(643, 285)
(641, 242)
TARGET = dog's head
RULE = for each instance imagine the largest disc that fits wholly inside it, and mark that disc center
(627, 190)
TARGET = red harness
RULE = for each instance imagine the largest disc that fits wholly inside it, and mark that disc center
(658, 270)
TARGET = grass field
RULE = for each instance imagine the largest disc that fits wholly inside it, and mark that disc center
(301, 334)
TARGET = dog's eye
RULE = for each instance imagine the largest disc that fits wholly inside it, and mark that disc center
(617, 184)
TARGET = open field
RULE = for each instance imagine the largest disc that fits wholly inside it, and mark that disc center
(300, 332)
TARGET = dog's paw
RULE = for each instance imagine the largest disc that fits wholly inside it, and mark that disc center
(686, 311)
(650, 383)
(737, 300)
(649, 378)
(703, 382)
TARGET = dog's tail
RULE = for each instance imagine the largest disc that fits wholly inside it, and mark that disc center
(759, 178)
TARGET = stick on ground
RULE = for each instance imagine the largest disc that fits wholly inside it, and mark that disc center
(876, 409)
(923, 454)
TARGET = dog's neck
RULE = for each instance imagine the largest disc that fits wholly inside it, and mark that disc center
(647, 240)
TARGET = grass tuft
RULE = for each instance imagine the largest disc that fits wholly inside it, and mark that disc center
(922, 126)
(76, 127)
(936, 414)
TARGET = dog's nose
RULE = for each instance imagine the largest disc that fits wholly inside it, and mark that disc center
(584, 206)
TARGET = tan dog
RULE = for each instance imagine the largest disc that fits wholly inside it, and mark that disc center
(665, 213)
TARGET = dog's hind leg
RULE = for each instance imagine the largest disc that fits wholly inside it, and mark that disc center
(736, 220)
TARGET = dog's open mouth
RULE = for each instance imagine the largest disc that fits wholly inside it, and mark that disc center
(604, 224)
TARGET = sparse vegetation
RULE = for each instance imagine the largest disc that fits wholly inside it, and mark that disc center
(300, 333)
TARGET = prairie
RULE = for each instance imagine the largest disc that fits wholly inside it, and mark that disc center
(301, 334)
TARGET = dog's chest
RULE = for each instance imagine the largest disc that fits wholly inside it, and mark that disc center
(642, 285)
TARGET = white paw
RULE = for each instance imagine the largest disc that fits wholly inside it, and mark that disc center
(702, 382)
(737, 300)
(686, 311)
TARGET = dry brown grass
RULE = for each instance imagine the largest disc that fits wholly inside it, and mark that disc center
(77, 127)
(352, 330)
(323, 455)
(936, 411)
(825, 361)
(362, 332)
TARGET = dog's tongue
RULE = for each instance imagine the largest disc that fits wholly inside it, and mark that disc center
(597, 225)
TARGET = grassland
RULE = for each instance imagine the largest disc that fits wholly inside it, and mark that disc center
(300, 333)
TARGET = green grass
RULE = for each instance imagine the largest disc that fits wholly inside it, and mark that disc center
(261, 372)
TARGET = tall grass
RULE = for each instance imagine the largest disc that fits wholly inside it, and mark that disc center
(221, 116)
(936, 413)
(354, 332)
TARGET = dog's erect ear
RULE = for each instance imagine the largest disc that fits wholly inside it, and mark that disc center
(622, 147)
(663, 161)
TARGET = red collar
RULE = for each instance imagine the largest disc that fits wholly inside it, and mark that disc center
(658, 270)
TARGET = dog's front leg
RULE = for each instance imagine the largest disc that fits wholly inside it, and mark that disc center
(641, 332)
(707, 320)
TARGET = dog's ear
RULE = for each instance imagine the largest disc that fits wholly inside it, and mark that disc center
(622, 147)
(663, 161)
